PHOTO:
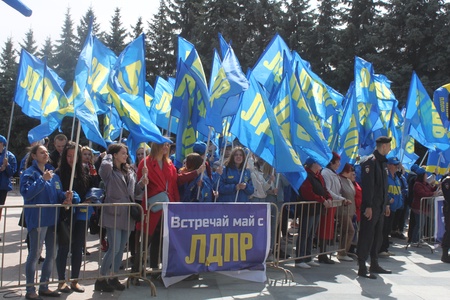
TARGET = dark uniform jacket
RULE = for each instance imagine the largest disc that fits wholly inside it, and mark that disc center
(374, 183)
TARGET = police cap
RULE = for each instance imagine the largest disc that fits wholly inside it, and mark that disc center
(383, 140)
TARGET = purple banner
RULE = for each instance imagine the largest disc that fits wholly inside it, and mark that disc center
(210, 237)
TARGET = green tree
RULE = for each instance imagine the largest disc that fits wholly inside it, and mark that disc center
(66, 51)
(325, 55)
(48, 51)
(137, 29)
(415, 38)
(115, 39)
(83, 28)
(160, 52)
(29, 43)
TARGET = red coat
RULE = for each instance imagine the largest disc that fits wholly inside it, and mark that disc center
(157, 183)
(421, 190)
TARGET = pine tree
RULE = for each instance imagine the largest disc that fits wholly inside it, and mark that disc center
(160, 52)
(29, 43)
(47, 50)
(83, 28)
(137, 30)
(115, 39)
(325, 55)
(66, 51)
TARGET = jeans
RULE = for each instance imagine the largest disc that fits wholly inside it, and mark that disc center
(37, 238)
(117, 239)
(306, 230)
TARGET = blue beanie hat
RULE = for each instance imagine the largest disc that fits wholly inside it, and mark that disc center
(199, 147)
(309, 161)
(3, 140)
(420, 171)
(414, 167)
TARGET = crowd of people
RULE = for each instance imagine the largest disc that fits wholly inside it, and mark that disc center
(378, 199)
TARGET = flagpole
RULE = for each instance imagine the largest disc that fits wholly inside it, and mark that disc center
(423, 159)
(244, 166)
(9, 128)
(204, 160)
(75, 156)
(222, 158)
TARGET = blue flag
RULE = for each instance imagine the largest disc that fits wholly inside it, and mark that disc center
(306, 134)
(127, 87)
(256, 127)
(112, 125)
(348, 144)
(366, 97)
(86, 80)
(422, 120)
(162, 104)
(440, 99)
(30, 84)
(323, 100)
(268, 70)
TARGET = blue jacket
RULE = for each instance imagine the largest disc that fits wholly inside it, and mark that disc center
(395, 192)
(36, 190)
(11, 168)
(189, 191)
(227, 185)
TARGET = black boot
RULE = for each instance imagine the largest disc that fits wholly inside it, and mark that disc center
(362, 271)
(445, 257)
(375, 268)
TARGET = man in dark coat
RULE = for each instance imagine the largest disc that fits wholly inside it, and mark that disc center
(446, 239)
(374, 205)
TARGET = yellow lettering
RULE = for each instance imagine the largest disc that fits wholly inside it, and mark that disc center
(246, 243)
(200, 240)
(215, 250)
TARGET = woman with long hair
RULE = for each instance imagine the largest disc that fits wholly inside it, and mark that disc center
(81, 184)
(38, 185)
(162, 177)
(230, 180)
(120, 182)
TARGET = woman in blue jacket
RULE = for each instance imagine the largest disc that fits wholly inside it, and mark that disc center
(230, 180)
(81, 184)
(8, 166)
(39, 185)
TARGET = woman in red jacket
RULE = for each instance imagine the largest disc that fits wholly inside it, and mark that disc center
(162, 176)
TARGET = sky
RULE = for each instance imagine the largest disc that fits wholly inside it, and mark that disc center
(48, 17)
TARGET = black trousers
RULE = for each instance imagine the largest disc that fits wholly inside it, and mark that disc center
(446, 238)
(370, 236)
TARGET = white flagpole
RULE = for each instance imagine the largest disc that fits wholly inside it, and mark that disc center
(9, 128)
(244, 166)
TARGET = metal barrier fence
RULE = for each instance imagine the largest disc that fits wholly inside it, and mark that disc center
(328, 234)
(307, 230)
(14, 246)
(424, 232)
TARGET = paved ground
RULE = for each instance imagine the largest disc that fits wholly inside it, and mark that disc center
(417, 274)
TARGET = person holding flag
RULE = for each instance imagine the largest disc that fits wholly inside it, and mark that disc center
(235, 179)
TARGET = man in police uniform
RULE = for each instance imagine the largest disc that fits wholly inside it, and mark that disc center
(374, 185)
(446, 239)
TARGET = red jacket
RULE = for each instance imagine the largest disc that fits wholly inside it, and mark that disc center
(421, 189)
(158, 179)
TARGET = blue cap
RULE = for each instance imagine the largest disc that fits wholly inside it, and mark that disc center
(3, 140)
(414, 167)
(309, 161)
(199, 147)
(420, 171)
(393, 161)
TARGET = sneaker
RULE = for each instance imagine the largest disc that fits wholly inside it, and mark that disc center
(344, 258)
(103, 286)
(302, 265)
(384, 254)
(115, 283)
(313, 263)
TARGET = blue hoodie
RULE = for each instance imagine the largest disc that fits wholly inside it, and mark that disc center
(36, 190)
(227, 185)
(11, 168)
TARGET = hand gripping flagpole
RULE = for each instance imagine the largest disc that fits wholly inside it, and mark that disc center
(244, 167)
(204, 162)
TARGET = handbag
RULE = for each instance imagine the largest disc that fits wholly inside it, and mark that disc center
(161, 197)
(63, 230)
(135, 213)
